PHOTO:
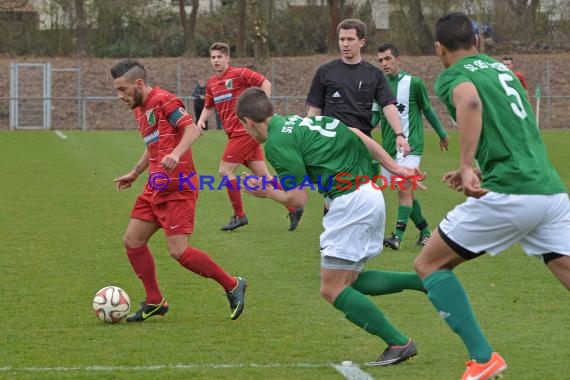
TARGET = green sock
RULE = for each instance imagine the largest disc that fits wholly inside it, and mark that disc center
(378, 282)
(403, 216)
(448, 296)
(418, 218)
(358, 309)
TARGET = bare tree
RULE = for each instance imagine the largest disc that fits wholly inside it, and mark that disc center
(408, 27)
(80, 28)
(241, 15)
(335, 16)
(188, 24)
(260, 16)
(525, 12)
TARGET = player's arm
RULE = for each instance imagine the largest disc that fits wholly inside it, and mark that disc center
(208, 109)
(376, 115)
(314, 111)
(392, 117)
(316, 96)
(191, 133)
(295, 198)
(178, 118)
(469, 116)
(125, 181)
(433, 120)
(204, 116)
(266, 87)
(379, 154)
(431, 116)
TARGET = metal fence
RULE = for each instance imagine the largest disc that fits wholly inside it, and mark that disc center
(34, 104)
(106, 112)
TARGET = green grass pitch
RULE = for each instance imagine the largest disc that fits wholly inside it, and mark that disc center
(62, 222)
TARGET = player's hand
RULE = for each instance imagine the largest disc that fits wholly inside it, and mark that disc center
(444, 143)
(472, 183)
(453, 180)
(256, 186)
(402, 145)
(126, 181)
(170, 161)
(413, 176)
(201, 124)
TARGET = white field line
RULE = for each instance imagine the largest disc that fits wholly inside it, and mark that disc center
(61, 135)
(352, 372)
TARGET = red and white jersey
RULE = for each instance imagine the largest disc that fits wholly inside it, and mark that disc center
(223, 92)
(162, 120)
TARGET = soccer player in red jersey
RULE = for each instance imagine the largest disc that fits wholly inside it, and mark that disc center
(166, 202)
(222, 92)
(509, 62)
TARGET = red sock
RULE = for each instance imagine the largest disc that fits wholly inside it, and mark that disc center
(278, 184)
(143, 265)
(235, 198)
(200, 263)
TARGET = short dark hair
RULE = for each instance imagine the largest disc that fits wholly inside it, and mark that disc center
(508, 58)
(352, 23)
(254, 104)
(130, 67)
(223, 47)
(454, 30)
(393, 49)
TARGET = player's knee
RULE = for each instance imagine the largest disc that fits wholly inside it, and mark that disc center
(328, 293)
(131, 241)
(420, 266)
(176, 252)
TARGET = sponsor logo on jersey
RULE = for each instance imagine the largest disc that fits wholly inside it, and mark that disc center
(229, 83)
(153, 137)
(222, 98)
(150, 118)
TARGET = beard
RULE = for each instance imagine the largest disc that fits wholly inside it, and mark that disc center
(137, 99)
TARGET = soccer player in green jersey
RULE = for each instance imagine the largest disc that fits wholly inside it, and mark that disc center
(412, 96)
(324, 151)
(515, 195)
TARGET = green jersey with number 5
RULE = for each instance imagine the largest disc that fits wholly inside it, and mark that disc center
(316, 149)
(510, 153)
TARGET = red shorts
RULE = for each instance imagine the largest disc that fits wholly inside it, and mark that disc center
(242, 149)
(175, 217)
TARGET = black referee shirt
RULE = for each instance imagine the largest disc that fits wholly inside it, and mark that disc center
(346, 92)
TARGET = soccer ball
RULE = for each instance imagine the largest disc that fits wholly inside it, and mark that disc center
(111, 304)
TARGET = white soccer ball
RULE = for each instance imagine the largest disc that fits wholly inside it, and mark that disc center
(111, 304)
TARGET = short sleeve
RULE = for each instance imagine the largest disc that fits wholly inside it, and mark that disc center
(384, 95)
(316, 95)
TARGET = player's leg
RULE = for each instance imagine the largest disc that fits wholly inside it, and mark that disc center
(405, 201)
(141, 227)
(380, 282)
(180, 213)
(551, 235)
(135, 240)
(420, 222)
(469, 230)
(434, 265)
(394, 241)
(559, 265)
(227, 171)
(416, 215)
(354, 230)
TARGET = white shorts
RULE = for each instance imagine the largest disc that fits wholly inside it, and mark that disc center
(354, 225)
(411, 161)
(493, 223)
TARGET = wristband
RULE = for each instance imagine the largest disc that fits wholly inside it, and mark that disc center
(401, 134)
